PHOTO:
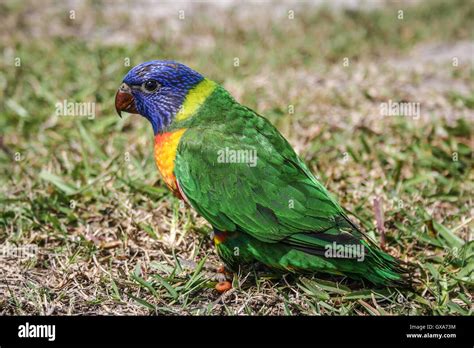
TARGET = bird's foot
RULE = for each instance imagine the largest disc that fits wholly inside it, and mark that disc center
(223, 284)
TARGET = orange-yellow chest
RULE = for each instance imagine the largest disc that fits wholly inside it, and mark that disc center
(166, 146)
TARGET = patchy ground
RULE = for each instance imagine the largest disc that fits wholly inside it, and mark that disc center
(110, 238)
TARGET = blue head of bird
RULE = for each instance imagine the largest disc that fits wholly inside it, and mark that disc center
(156, 90)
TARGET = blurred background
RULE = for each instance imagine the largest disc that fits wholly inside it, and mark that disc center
(80, 184)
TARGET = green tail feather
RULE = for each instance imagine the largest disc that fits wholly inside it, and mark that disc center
(386, 269)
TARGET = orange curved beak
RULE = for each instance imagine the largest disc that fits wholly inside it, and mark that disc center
(124, 100)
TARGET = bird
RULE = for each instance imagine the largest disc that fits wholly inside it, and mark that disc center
(238, 171)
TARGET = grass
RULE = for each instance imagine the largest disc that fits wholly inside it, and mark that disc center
(112, 240)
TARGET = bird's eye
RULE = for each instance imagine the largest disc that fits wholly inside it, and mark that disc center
(150, 85)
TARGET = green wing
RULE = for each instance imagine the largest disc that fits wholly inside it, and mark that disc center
(273, 199)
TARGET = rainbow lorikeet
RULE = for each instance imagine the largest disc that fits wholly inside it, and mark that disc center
(237, 171)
